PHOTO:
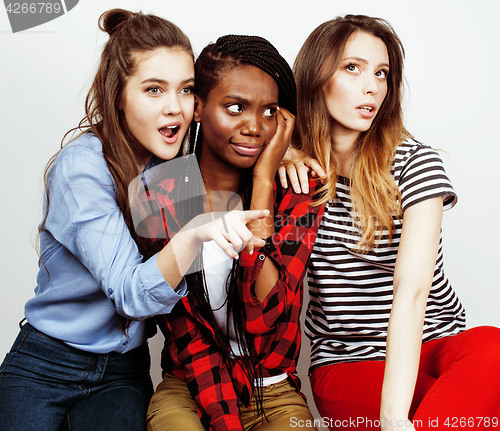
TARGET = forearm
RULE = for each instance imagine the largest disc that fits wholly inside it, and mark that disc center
(263, 198)
(412, 282)
(404, 341)
(264, 172)
(297, 224)
(175, 259)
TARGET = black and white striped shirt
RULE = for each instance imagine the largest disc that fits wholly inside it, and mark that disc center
(351, 293)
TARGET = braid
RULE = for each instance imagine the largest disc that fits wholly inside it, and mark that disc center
(235, 307)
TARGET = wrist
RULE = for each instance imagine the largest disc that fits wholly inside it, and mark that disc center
(263, 181)
(188, 236)
(392, 417)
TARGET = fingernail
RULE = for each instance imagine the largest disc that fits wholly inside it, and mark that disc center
(250, 252)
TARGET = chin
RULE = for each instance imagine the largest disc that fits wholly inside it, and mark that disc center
(250, 163)
(169, 154)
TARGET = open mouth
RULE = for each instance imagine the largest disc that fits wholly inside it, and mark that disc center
(366, 108)
(169, 131)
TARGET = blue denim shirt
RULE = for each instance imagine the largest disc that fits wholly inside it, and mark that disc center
(92, 270)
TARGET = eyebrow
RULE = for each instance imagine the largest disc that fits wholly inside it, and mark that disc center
(362, 60)
(242, 100)
(238, 98)
(163, 81)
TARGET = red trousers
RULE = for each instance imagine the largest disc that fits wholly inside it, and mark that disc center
(458, 386)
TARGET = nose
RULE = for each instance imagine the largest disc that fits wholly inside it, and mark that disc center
(371, 84)
(251, 125)
(172, 105)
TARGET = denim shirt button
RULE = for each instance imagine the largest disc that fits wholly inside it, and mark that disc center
(110, 291)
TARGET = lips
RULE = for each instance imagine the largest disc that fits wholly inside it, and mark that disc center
(367, 110)
(170, 132)
(245, 148)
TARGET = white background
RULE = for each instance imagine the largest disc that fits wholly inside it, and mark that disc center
(452, 103)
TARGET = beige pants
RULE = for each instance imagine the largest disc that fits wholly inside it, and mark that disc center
(173, 408)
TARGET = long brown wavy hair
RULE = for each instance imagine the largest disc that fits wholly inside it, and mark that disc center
(129, 34)
(375, 195)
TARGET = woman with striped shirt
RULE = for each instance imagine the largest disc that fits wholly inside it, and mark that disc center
(387, 330)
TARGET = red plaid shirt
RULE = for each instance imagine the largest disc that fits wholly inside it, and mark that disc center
(275, 322)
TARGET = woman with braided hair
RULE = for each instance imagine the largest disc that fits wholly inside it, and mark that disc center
(229, 360)
(81, 359)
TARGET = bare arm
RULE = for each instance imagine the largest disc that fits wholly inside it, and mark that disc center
(412, 282)
(264, 172)
(175, 259)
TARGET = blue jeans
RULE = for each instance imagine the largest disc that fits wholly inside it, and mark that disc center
(46, 385)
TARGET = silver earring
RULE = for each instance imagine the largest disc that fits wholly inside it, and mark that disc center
(196, 137)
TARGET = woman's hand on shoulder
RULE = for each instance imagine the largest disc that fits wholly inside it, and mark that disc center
(296, 165)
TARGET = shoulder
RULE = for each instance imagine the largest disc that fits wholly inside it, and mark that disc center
(80, 167)
(413, 148)
(86, 146)
(82, 156)
(412, 154)
(420, 174)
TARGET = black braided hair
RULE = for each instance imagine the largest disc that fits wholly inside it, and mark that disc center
(237, 50)
(214, 61)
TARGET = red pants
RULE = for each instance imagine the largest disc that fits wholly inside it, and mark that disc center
(458, 386)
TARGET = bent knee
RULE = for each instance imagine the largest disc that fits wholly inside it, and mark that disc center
(483, 342)
(172, 407)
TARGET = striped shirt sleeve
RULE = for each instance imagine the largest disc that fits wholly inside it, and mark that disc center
(420, 175)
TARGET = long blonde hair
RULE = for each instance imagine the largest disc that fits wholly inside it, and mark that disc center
(374, 193)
